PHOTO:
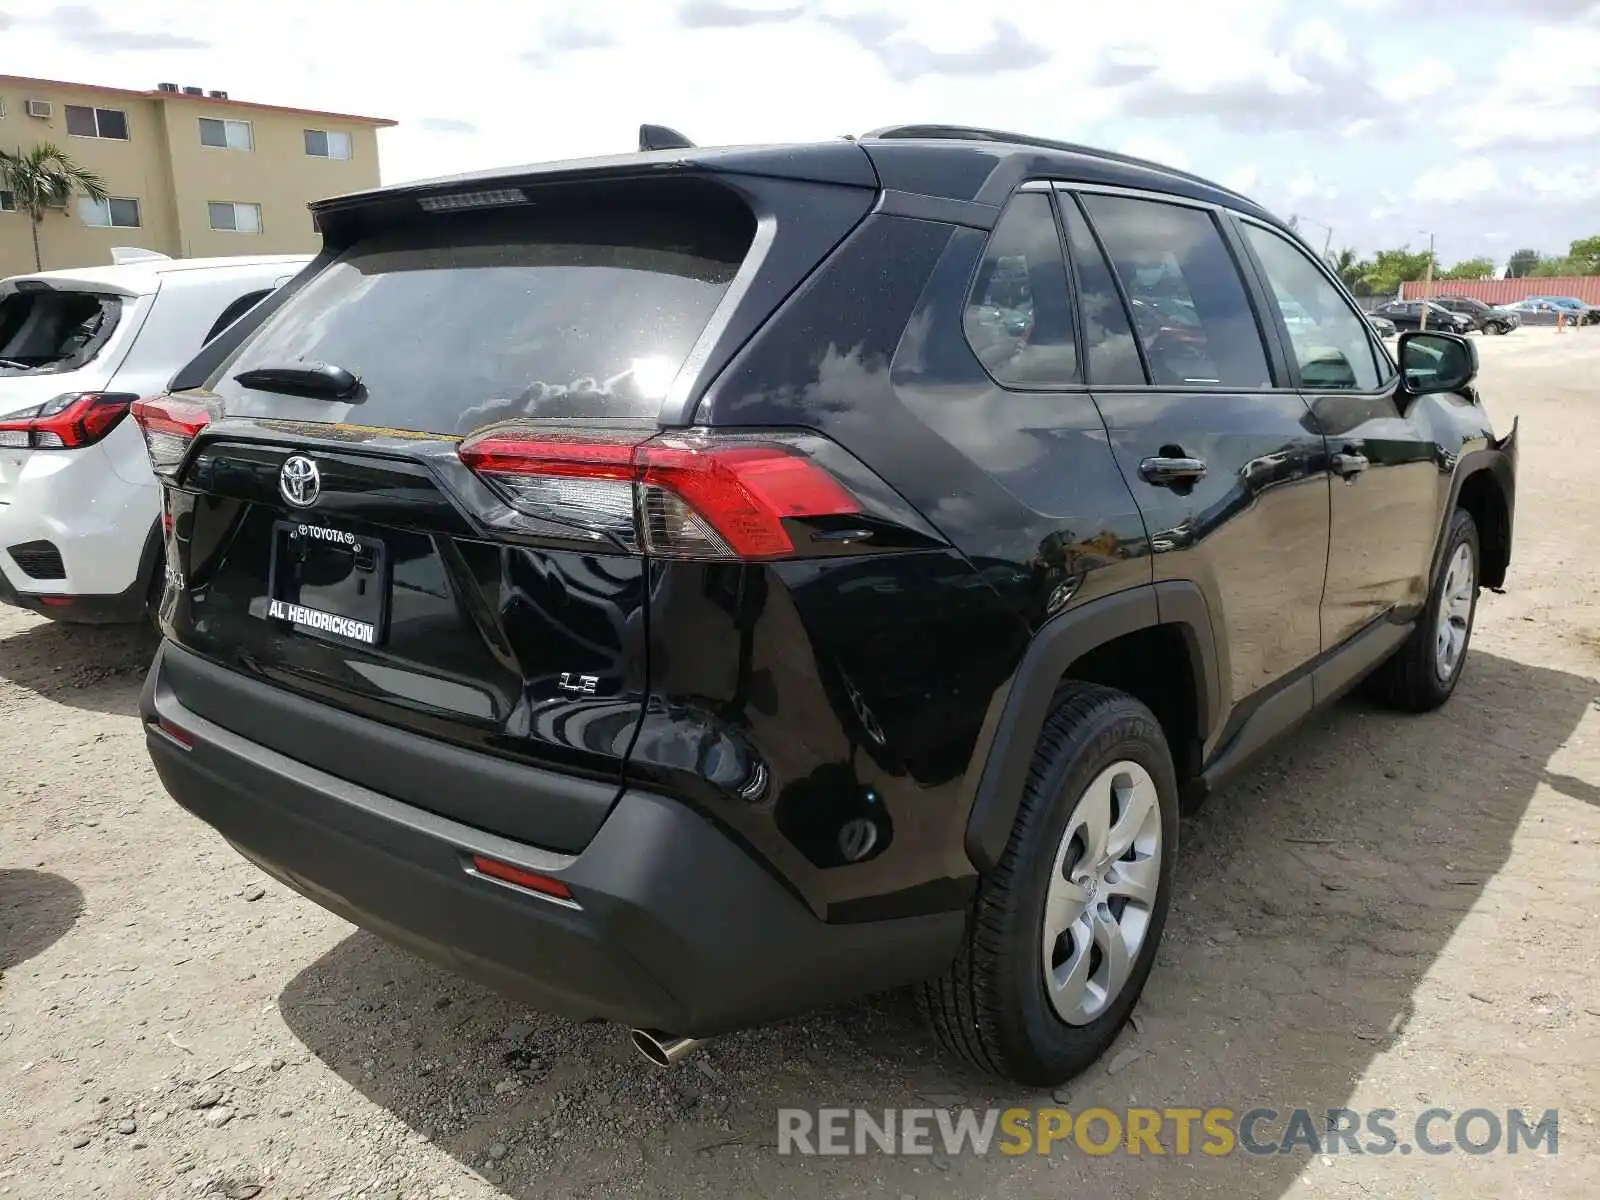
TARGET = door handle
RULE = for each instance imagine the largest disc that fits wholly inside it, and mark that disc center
(1166, 471)
(1349, 464)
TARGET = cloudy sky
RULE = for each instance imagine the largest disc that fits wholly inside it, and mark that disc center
(1477, 119)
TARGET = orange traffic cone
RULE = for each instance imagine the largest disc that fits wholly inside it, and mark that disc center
(1561, 322)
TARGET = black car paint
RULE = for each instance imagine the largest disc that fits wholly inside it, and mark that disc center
(1483, 316)
(902, 687)
(1399, 313)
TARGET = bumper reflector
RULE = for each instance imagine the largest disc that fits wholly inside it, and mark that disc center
(518, 877)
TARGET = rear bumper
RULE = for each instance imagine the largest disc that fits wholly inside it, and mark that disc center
(100, 524)
(122, 608)
(673, 925)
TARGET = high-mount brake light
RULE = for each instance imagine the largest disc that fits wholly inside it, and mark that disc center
(169, 425)
(675, 496)
(455, 201)
(67, 422)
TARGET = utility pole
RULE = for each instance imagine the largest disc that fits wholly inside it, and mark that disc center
(1427, 282)
(1327, 242)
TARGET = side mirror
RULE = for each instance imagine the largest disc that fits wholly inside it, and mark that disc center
(1436, 362)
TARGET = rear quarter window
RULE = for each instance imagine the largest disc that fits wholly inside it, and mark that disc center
(456, 321)
(1018, 317)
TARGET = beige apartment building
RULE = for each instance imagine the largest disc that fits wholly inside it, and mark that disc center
(190, 172)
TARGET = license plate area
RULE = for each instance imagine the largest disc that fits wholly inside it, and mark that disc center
(329, 583)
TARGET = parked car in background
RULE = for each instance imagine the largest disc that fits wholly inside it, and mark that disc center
(80, 534)
(1407, 315)
(671, 625)
(1485, 317)
(1587, 314)
(1381, 325)
(1536, 312)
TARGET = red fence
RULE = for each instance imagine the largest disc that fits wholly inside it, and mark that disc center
(1506, 291)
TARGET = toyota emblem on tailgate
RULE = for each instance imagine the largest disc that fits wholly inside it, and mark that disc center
(299, 481)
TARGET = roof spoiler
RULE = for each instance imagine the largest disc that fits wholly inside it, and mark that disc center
(122, 255)
(660, 137)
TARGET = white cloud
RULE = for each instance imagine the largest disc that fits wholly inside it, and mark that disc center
(1545, 94)
(1321, 39)
(1456, 182)
(1304, 108)
(1242, 179)
(1156, 149)
(1572, 183)
(1421, 79)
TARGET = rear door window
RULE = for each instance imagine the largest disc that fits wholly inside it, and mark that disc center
(454, 322)
(1190, 308)
(1107, 335)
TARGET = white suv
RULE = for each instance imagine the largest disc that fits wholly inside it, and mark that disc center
(80, 511)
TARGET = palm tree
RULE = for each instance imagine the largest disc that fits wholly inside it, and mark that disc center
(1347, 265)
(43, 178)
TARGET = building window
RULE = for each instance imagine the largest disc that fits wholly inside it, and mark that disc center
(226, 135)
(113, 213)
(320, 143)
(8, 201)
(235, 218)
(97, 122)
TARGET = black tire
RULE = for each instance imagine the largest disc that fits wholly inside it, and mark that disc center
(1496, 328)
(1410, 680)
(990, 1008)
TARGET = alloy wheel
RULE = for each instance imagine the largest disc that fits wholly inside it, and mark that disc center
(1102, 892)
(1454, 620)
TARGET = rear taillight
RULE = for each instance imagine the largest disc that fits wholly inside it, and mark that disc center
(675, 496)
(67, 422)
(169, 425)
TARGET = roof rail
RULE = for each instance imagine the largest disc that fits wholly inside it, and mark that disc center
(967, 133)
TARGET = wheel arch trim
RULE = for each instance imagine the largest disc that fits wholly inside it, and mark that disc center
(1499, 461)
(1054, 649)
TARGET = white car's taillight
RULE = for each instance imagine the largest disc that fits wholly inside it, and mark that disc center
(67, 422)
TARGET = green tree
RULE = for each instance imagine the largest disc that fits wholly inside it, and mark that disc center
(1585, 255)
(1522, 263)
(1351, 270)
(43, 178)
(1391, 268)
(1549, 268)
(1472, 268)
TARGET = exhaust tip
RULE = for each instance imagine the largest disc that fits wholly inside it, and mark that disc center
(662, 1049)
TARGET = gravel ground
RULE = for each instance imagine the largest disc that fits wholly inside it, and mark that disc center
(1387, 912)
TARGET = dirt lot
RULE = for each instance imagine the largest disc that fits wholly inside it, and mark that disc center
(1387, 913)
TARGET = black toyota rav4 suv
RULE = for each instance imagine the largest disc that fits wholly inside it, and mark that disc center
(690, 587)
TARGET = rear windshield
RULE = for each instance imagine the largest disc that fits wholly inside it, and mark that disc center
(47, 332)
(452, 322)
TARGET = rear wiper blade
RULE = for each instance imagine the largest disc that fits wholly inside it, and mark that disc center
(318, 379)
